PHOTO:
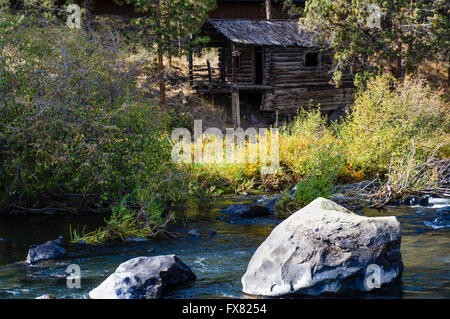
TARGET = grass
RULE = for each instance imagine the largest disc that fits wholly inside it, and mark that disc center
(124, 223)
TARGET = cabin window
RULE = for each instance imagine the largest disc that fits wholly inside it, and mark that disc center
(312, 59)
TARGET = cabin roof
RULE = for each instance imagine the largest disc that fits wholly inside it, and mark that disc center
(283, 33)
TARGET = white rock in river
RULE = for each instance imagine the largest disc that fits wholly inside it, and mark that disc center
(143, 278)
(324, 247)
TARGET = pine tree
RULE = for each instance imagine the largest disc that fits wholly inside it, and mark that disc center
(366, 34)
(172, 24)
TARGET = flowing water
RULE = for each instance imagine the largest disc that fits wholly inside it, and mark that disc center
(219, 261)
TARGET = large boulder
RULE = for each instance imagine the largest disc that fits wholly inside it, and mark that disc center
(324, 247)
(45, 251)
(144, 278)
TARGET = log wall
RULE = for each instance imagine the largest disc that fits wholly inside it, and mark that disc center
(245, 72)
(295, 85)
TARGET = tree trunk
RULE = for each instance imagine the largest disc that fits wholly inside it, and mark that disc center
(162, 86)
(268, 10)
(396, 67)
(448, 76)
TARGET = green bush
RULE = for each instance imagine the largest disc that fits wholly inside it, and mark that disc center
(385, 121)
(75, 130)
(309, 147)
(306, 191)
(387, 117)
(309, 150)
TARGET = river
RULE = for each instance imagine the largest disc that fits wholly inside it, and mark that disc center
(219, 261)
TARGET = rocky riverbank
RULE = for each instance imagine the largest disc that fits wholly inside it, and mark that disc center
(220, 260)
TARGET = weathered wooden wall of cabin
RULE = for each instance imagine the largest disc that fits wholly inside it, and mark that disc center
(245, 69)
(295, 85)
(245, 73)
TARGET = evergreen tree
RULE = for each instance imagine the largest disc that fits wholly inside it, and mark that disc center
(365, 34)
(172, 24)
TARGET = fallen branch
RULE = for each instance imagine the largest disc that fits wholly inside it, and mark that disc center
(46, 210)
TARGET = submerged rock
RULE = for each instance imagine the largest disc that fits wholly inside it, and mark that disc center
(415, 200)
(194, 232)
(45, 251)
(246, 211)
(201, 233)
(144, 278)
(324, 247)
(269, 202)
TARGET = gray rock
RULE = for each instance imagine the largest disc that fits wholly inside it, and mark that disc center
(183, 98)
(324, 247)
(45, 251)
(246, 211)
(194, 232)
(144, 278)
(269, 202)
(235, 209)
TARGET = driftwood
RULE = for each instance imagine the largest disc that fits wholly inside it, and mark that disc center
(14, 209)
(413, 182)
(431, 177)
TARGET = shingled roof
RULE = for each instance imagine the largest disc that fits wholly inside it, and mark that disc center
(264, 32)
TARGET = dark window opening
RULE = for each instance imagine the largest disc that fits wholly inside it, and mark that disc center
(238, 62)
(258, 65)
(312, 59)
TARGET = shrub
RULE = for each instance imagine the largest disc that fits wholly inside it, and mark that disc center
(306, 191)
(311, 151)
(387, 116)
(308, 146)
(76, 132)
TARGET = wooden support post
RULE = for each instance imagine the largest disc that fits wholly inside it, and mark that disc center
(209, 72)
(276, 117)
(235, 109)
(234, 55)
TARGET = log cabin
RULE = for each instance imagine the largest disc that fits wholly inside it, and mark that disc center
(275, 60)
